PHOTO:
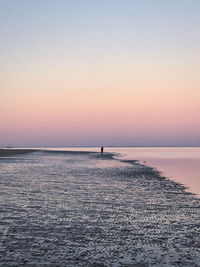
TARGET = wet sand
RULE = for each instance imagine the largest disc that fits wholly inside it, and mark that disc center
(5, 152)
(75, 209)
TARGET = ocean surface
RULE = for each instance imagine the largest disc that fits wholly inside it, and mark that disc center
(76, 208)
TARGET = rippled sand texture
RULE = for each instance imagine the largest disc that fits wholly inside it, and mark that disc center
(62, 209)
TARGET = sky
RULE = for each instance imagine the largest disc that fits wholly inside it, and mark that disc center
(90, 73)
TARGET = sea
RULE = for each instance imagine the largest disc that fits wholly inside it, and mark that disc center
(72, 206)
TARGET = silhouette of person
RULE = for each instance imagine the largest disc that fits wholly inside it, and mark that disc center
(102, 150)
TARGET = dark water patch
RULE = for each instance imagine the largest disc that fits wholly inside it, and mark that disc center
(133, 162)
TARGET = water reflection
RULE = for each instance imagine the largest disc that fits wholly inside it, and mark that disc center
(181, 164)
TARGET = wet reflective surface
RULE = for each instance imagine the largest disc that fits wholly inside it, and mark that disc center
(182, 164)
(65, 209)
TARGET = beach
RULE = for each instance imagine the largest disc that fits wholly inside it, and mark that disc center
(79, 208)
(13, 152)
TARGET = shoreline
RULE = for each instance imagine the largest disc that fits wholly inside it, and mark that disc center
(94, 205)
(6, 152)
(9, 152)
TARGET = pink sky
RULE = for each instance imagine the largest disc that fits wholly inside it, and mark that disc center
(113, 83)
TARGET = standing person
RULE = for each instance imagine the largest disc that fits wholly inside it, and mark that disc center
(102, 150)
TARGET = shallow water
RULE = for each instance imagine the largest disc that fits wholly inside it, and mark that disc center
(79, 209)
(181, 164)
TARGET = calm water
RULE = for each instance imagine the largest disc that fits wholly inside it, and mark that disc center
(182, 164)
